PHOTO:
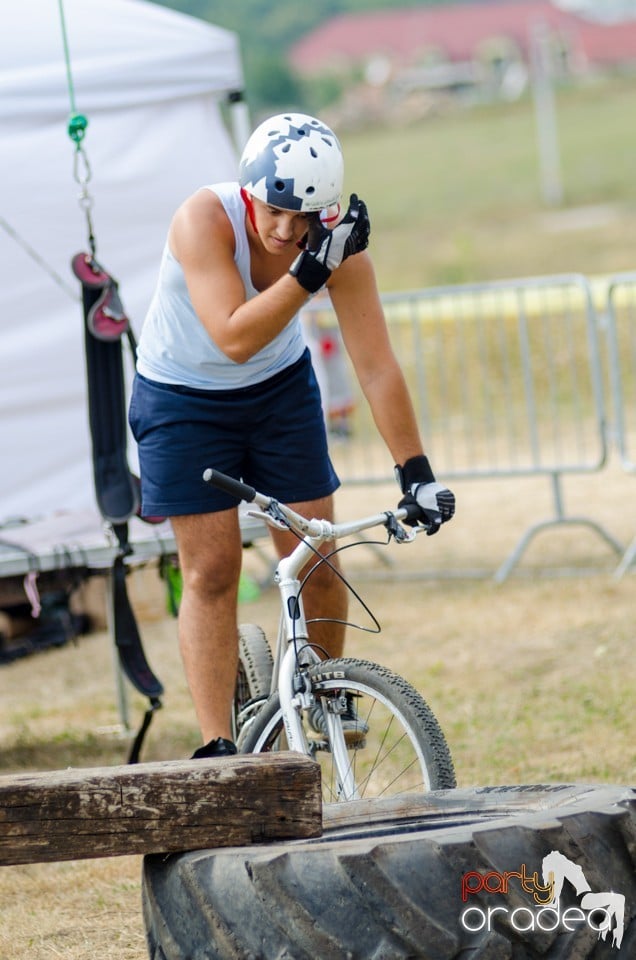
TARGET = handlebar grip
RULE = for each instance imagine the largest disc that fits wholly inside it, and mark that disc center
(413, 512)
(235, 488)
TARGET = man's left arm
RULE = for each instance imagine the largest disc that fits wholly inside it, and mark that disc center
(354, 294)
(356, 301)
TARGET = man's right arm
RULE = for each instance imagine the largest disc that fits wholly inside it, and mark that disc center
(202, 239)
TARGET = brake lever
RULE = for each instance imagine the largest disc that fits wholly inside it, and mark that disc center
(272, 519)
(399, 533)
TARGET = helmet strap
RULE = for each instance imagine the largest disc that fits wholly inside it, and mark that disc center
(249, 206)
(330, 219)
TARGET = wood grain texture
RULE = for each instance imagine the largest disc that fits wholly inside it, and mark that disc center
(164, 807)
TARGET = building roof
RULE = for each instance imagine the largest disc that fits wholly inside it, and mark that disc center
(458, 31)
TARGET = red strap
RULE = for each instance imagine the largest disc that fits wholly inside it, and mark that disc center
(247, 200)
(329, 219)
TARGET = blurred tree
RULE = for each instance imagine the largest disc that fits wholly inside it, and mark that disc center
(267, 30)
(270, 82)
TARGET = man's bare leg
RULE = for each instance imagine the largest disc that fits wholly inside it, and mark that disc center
(210, 552)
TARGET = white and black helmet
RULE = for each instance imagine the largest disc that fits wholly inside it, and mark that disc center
(293, 161)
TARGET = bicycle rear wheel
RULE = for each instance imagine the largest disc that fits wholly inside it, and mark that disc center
(254, 679)
(399, 748)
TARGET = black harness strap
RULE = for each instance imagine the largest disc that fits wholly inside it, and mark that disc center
(116, 489)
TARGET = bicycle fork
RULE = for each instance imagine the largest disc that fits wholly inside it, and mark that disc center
(294, 685)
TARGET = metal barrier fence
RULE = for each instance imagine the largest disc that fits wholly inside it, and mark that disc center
(621, 317)
(506, 378)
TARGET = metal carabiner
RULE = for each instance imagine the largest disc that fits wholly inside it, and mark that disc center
(83, 175)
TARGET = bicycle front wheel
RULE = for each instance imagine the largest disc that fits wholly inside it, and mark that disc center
(377, 737)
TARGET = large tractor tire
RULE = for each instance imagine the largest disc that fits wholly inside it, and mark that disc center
(451, 875)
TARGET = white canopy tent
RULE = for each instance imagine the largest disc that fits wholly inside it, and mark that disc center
(150, 82)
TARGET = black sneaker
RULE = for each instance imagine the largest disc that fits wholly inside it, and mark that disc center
(215, 748)
(353, 728)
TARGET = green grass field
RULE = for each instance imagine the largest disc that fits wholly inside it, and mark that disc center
(457, 198)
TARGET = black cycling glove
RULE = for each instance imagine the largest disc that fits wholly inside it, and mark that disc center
(327, 249)
(434, 503)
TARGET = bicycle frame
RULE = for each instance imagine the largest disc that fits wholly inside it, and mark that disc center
(293, 634)
(293, 638)
(294, 652)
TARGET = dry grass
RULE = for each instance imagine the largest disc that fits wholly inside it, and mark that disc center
(532, 680)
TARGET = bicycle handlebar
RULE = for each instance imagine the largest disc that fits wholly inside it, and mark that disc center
(243, 491)
(235, 488)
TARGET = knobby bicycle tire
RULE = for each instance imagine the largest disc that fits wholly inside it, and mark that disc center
(403, 749)
(254, 679)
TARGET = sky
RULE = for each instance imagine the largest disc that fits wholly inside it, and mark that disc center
(600, 9)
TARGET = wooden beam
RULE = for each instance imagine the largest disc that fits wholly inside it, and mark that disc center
(163, 807)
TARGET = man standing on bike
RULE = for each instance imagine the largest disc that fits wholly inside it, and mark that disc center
(224, 380)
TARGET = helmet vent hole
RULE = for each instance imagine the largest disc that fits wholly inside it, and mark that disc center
(287, 148)
(310, 190)
(328, 141)
(313, 152)
(280, 186)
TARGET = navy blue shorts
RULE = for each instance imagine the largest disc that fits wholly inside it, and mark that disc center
(271, 435)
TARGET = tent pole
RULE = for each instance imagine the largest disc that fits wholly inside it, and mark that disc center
(239, 119)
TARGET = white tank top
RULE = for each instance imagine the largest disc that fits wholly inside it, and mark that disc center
(175, 347)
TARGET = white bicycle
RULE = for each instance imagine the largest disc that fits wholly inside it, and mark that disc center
(370, 730)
